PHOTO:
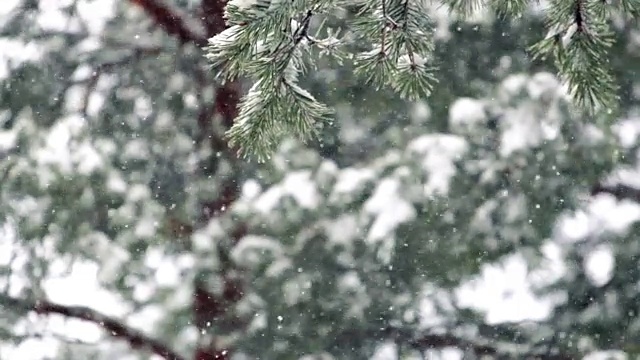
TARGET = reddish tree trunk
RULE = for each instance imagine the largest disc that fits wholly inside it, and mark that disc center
(211, 309)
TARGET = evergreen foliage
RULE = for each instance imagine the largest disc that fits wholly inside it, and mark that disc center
(272, 43)
(125, 213)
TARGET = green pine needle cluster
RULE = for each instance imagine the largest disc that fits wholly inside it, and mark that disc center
(273, 42)
(578, 40)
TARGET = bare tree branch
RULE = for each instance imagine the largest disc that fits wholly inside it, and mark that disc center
(114, 326)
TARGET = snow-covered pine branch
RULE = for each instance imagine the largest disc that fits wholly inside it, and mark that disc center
(271, 40)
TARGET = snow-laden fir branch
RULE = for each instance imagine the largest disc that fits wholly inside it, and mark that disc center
(272, 42)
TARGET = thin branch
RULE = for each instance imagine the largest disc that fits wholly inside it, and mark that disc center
(137, 53)
(424, 342)
(92, 80)
(173, 21)
(439, 341)
(619, 191)
(114, 326)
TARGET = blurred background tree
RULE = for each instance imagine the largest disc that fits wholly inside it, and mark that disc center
(366, 243)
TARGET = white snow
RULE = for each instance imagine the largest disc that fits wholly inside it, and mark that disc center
(512, 85)
(543, 83)
(607, 355)
(389, 209)
(56, 148)
(617, 216)
(146, 227)
(295, 290)
(94, 13)
(465, 112)
(138, 192)
(250, 249)
(343, 229)
(87, 158)
(420, 112)
(81, 288)
(628, 176)
(505, 293)
(147, 318)
(602, 213)
(225, 38)
(599, 265)
(47, 349)
(112, 255)
(405, 61)
(7, 139)
(438, 153)
(533, 121)
(116, 183)
(351, 179)
(628, 131)
(297, 184)
(250, 190)
(386, 351)
(243, 4)
(168, 275)
(136, 149)
(522, 129)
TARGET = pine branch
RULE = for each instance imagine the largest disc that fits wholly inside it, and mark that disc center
(579, 39)
(173, 21)
(262, 39)
(113, 326)
(619, 191)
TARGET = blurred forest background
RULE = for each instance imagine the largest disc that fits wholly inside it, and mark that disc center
(131, 231)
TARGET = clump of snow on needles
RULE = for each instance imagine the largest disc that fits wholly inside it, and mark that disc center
(439, 153)
(524, 128)
(251, 249)
(532, 114)
(389, 208)
(298, 185)
(243, 4)
(599, 264)
(544, 84)
(511, 86)
(506, 284)
(351, 179)
(466, 112)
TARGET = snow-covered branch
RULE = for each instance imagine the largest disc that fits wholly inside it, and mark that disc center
(114, 326)
(619, 191)
(424, 342)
